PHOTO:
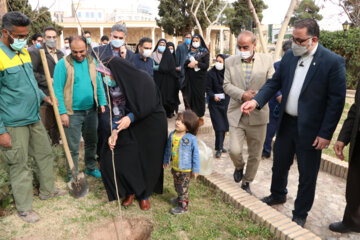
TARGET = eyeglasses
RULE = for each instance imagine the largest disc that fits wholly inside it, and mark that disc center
(299, 40)
(20, 36)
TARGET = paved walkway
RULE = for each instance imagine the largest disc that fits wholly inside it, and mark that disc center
(329, 201)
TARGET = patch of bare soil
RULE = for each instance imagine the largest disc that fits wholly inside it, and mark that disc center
(130, 229)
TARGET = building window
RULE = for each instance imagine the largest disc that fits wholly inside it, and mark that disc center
(79, 14)
(99, 15)
(87, 15)
(92, 14)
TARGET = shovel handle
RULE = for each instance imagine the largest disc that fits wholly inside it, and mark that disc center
(56, 109)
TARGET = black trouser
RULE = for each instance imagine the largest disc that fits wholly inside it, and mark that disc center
(219, 140)
(104, 130)
(352, 210)
(286, 145)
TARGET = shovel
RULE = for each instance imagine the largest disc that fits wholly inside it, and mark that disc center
(78, 185)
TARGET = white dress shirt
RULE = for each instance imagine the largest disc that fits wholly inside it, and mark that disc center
(301, 70)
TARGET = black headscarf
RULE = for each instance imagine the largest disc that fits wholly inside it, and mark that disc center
(168, 44)
(168, 64)
(201, 51)
(157, 44)
(216, 74)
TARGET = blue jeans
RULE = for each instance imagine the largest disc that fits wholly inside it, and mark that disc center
(82, 123)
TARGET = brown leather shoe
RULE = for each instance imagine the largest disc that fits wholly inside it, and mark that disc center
(145, 204)
(128, 200)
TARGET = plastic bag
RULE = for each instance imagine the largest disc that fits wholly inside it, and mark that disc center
(206, 158)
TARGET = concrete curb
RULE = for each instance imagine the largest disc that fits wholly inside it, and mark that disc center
(279, 224)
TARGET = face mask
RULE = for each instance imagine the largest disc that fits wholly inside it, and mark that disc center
(117, 43)
(187, 41)
(300, 50)
(245, 55)
(88, 41)
(147, 53)
(196, 44)
(108, 81)
(51, 43)
(18, 44)
(161, 49)
(38, 45)
(172, 51)
(67, 45)
(219, 66)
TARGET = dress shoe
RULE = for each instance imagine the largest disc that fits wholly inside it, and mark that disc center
(145, 204)
(299, 221)
(224, 150)
(340, 227)
(218, 154)
(238, 175)
(246, 187)
(265, 155)
(270, 200)
(128, 200)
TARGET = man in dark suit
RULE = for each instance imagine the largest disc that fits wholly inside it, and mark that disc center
(53, 55)
(181, 54)
(350, 133)
(313, 84)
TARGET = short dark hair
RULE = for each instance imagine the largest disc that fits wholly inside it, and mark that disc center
(144, 40)
(286, 45)
(190, 120)
(312, 28)
(104, 38)
(85, 32)
(35, 36)
(77, 37)
(49, 28)
(67, 39)
(186, 33)
(11, 19)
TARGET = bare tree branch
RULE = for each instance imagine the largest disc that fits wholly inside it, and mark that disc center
(205, 11)
(212, 1)
(42, 13)
(194, 14)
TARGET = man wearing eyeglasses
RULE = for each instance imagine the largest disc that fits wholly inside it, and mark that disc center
(21, 132)
(115, 48)
(53, 55)
(312, 81)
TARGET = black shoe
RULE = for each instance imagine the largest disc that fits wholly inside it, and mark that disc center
(299, 221)
(224, 150)
(218, 154)
(246, 187)
(265, 155)
(270, 200)
(342, 228)
(238, 174)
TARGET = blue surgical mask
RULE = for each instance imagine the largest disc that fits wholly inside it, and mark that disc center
(18, 44)
(109, 82)
(38, 45)
(117, 43)
(187, 41)
(88, 41)
(161, 48)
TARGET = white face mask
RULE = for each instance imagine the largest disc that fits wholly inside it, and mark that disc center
(196, 44)
(245, 55)
(172, 51)
(67, 45)
(147, 53)
(300, 50)
(219, 66)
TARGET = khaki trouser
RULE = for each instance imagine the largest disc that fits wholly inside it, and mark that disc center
(255, 137)
(30, 140)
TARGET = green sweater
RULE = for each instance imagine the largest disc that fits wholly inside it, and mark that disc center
(83, 93)
(20, 96)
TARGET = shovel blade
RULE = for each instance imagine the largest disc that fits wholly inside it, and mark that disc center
(79, 186)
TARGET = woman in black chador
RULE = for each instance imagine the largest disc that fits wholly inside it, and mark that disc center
(138, 137)
(218, 102)
(166, 79)
(196, 65)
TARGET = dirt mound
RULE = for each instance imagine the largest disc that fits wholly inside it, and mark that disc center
(133, 229)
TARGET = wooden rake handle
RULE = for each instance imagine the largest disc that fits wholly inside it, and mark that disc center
(56, 109)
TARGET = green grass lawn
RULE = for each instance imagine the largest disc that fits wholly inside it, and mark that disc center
(330, 151)
(209, 217)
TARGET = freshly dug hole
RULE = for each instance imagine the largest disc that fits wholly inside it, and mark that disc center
(134, 229)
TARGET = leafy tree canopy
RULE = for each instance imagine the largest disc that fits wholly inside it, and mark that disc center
(306, 9)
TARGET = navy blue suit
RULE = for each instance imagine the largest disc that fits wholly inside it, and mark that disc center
(320, 106)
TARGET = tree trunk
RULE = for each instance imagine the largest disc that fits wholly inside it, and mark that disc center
(293, 4)
(3, 8)
(258, 26)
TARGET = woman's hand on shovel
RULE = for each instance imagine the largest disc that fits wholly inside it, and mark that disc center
(112, 139)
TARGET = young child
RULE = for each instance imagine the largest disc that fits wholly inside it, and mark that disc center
(182, 150)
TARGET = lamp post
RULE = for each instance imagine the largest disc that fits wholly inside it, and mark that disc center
(346, 26)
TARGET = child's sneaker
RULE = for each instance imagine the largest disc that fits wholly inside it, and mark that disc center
(180, 209)
(174, 200)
